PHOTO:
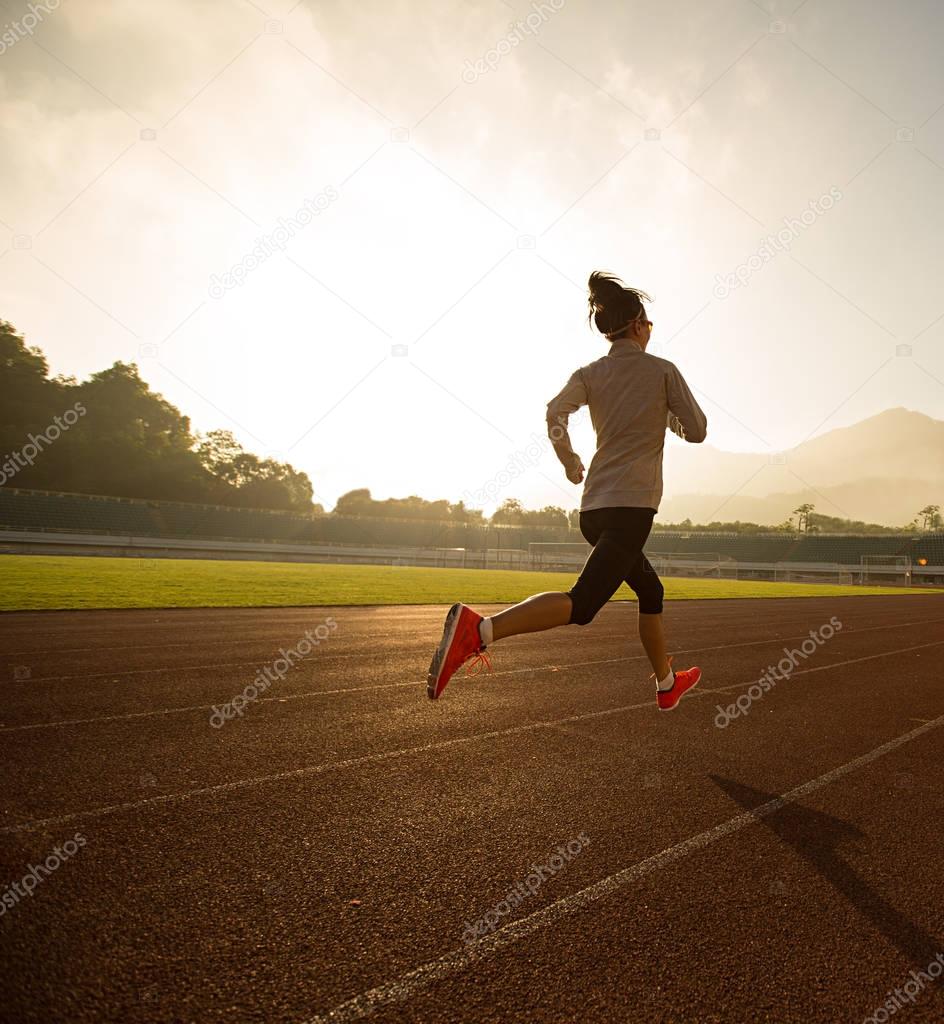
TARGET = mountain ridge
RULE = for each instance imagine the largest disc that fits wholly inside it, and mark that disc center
(883, 469)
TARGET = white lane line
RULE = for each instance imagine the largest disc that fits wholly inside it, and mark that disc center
(186, 709)
(420, 623)
(119, 673)
(416, 683)
(223, 622)
(406, 985)
(295, 773)
(287, 617)
(365, 653)
(353, 762)
(131, 715)
(369, 638)
(43, 651)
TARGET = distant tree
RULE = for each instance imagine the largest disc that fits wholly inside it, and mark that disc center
(360, 503)
(132, 442)
(930, 517)
(246, 480)
(220, 452)
(804, 516)
(550, 515)
(414, 507)
(276, 485)
(458, 513)
(128, 441)
(28, 399)
(354, 503)
(509, 512)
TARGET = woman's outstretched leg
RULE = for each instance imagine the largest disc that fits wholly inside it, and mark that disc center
(540, 611)
(466, 634)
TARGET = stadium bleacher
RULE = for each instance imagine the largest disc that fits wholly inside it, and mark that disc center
(76, 513)
(930, 547)
(847, 550)
(47, 511)
(747, 548)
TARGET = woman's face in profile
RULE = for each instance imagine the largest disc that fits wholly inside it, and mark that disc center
(642, 328)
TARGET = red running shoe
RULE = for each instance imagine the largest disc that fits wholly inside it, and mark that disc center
(460, 642)
(684, 681)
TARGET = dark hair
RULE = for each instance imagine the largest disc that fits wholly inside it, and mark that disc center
(612, 303)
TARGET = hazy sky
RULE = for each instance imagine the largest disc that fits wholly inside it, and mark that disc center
(444, 176)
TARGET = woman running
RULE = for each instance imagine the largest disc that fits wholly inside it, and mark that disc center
(633, 398)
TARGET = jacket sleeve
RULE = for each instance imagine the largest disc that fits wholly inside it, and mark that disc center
(685, 417)
(570, 398)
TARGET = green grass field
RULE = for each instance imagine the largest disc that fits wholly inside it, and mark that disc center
(47, 582)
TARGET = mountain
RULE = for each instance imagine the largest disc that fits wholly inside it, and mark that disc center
(881, 470)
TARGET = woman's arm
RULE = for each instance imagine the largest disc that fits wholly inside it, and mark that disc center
(685, 417)
(570, 398)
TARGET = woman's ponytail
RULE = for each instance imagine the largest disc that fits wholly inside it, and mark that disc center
(612, 304)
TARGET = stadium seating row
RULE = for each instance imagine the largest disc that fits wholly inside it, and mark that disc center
(76, 513)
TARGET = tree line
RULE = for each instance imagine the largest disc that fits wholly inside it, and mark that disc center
(124, 440)
(112, 435)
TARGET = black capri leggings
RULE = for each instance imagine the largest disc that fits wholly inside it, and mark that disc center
(617, 535)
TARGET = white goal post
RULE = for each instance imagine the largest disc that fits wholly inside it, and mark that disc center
(892, 569)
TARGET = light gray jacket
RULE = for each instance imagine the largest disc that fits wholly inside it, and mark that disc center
(633, 397)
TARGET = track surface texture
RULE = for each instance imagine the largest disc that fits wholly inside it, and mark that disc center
(325, 854)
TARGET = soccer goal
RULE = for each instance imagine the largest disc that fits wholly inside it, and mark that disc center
(562, 556)
(886, 570)
(505, 558)
(449, 558)
(700, 564)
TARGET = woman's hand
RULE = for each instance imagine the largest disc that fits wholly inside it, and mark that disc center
(575, 471)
